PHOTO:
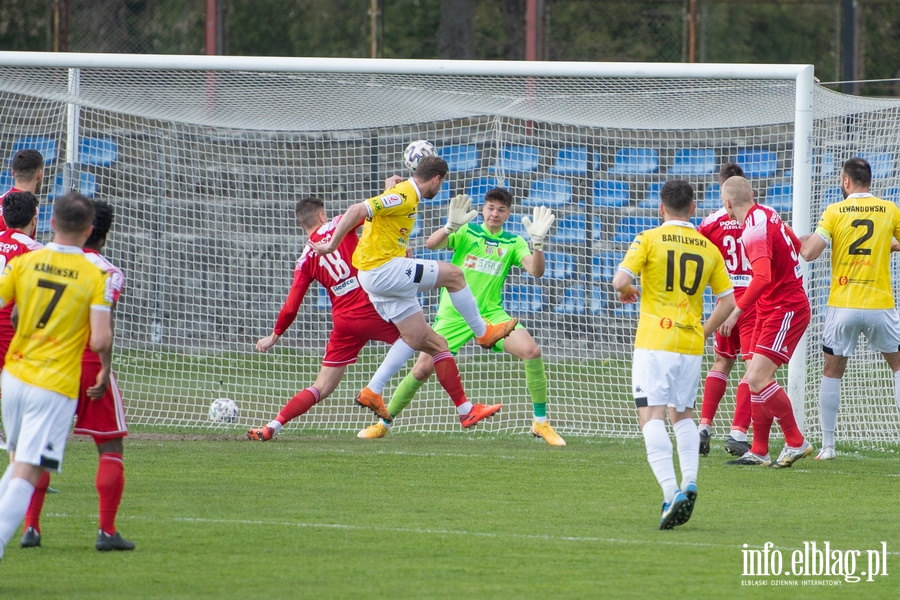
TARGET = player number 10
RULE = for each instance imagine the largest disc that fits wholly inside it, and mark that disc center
(684, 261)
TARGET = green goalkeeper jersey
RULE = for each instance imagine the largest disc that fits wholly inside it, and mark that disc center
(485, 258)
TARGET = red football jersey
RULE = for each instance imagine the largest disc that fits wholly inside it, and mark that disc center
(116, 284)
(765, 234)
(725, 233)
(13, 243)
(337, 275)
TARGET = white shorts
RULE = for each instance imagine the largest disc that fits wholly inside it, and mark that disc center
(843, 326)
(36, 422)
(661, 378)
(393, 286)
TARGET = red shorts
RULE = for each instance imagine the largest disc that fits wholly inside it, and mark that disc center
(740, 339)
(104, 419)
(350, 334)
(778, 332)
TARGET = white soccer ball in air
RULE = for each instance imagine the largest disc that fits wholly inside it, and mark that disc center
(224, 410)
(416, 151)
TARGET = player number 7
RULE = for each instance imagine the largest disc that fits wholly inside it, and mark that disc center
(58, 289)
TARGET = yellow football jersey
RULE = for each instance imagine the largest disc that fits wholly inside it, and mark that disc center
(860, 229)
(392, 216)
(55, 289)
(675, 263)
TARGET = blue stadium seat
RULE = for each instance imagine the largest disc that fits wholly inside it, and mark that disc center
(757, 163)
(6, 181)
(694, 161)
(882, 164)
(651, 197)
(569, 231)
(598, 300)
(625, 311)
(604, 265)
(417, 229)
(522, 298)
(574, 301)
(597, 231)
(710, 200)
(559, 265)
(443, 196)
(323, 302)
(831, 195)
(612, 194)
(98, 151)
(825, 164)
(86, 185)
(709, 302)
(551, 192)
(514, 225)
(636, 161)
(461, 158)
(571, 160)
(45, 145)
(425, 254)
(631, 225)
(892, 194)
(481, 186)
(517, 159)
(780, 196)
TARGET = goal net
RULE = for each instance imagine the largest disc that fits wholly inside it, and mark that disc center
(204, 165)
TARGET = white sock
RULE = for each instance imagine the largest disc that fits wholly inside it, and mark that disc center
(464, 303)
(897, 388)
(705, 427)
(464, 408)
(829, 401)
(540, 419)
(276, 425)
(738, 435)
(659, 455)
(13, 506)
(393, 361)
(387, 424)
(688, 439)
(4, 481)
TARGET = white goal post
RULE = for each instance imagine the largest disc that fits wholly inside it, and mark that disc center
(203, 159)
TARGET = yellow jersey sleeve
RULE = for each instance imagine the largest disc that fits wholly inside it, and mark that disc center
(386, 232)
(7, 286)
(636, 256)
(860, 229)
(720, 281)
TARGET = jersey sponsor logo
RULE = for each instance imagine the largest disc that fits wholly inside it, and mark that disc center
(483, 265)
(741, 280)
(345, 287)
(665, 323)
(7, 248)
(391, 200)
(843, 280)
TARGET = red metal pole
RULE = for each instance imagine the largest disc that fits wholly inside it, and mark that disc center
(531, 30)
(212, 15)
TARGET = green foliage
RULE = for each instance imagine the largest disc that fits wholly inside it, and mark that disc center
(437, 516)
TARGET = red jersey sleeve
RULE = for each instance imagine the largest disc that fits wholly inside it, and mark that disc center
(762, 277)
(291, 307)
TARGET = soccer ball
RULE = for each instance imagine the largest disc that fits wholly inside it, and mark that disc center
(416, 151)
(224, 410)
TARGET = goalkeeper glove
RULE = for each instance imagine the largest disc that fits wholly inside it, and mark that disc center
(459, 214)
(538, 228)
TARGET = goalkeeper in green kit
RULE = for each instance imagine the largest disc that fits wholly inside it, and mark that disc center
(485, 253)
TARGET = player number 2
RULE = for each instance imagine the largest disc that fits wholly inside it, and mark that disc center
(686, 258)
(870, 229)
(58, 289)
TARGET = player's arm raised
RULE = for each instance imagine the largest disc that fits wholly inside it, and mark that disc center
(350, 221)
(458, 214)
(537, 229)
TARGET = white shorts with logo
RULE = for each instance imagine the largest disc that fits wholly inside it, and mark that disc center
(36, 422)
(665, 378)
(843, 326)
(393, 286)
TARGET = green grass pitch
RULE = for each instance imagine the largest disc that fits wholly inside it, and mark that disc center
(444, 516)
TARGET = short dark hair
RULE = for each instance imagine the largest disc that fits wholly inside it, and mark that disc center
(730, 170)
(501, 195)
(26, 163)
(858, 170)
(73, 213)
(677, 195)
(103, 219)
(307, 210)
(19, 208)
(430, 166)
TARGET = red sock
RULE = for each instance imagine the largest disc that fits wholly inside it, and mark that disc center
(779, 405)
(33, 516)
(298, 405)
(110, 484)
(762, 425)
(741, 420)
(448, 375)
(713, 390)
